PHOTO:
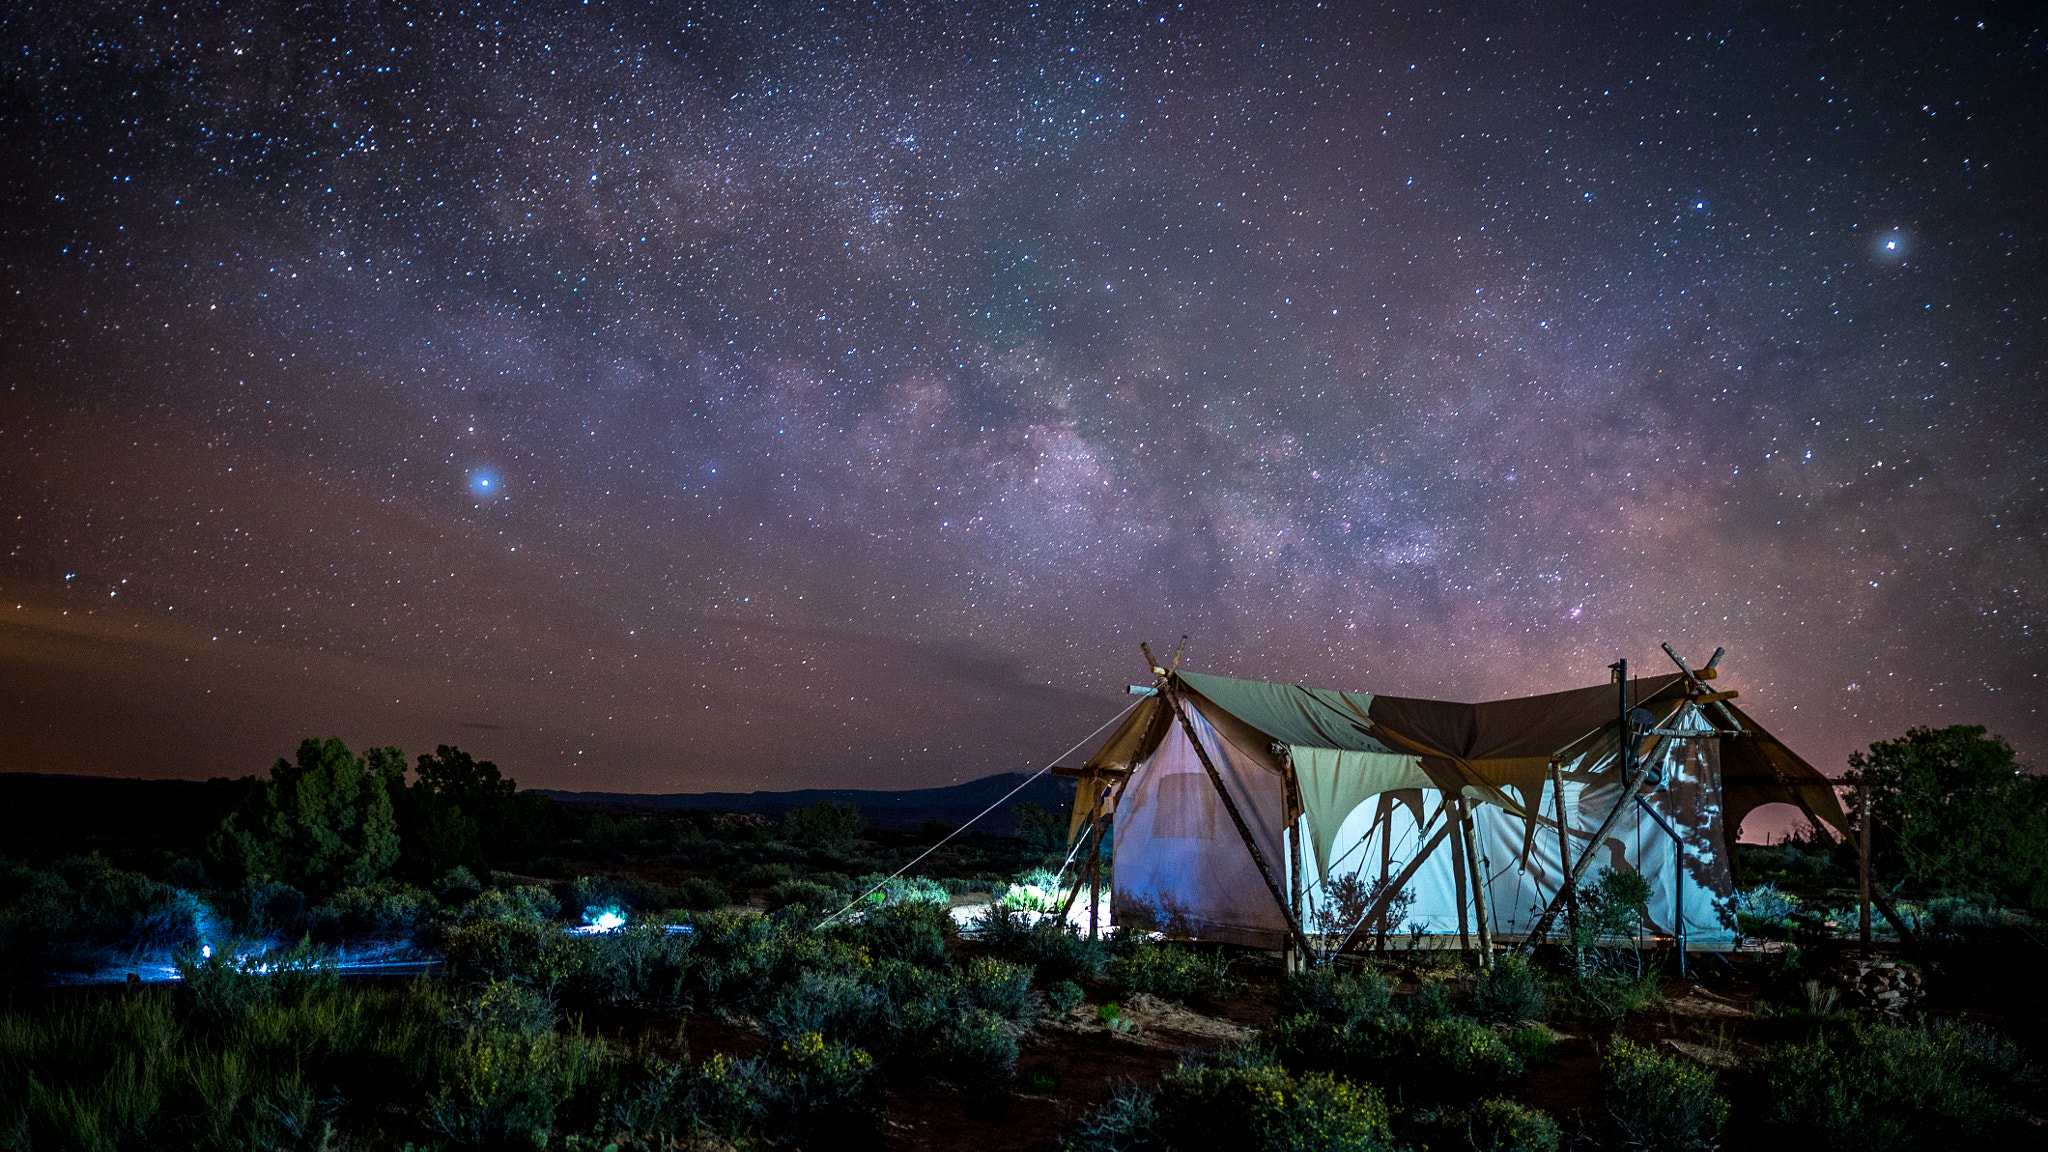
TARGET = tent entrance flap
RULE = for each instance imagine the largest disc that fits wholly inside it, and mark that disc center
(1334, 782)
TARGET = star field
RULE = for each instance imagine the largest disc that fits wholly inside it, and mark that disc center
(679, 397)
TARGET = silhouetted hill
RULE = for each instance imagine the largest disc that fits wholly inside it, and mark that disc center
(141, 824)
(899, 810)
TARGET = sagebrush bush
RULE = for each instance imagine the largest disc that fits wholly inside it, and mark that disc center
(644, 964)
(1492, 1125)
(505, 1087)
(253, 1062)
(1509, 992)
(1241, 1102)
(502, 1006)
(701, 894)
(1448, 1057)
(538, 955)
(978, 1048)
(1896, 1086)
(835, 1005)
(1660, 1102)
(997, 985)
(912, 931)
(1064, 996)
(816, 897)
(386, 908)
(1172, 971)
(531, 904)
(1059, 951)
(1334, 997)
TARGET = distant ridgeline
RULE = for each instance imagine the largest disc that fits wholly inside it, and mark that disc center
(902, 810)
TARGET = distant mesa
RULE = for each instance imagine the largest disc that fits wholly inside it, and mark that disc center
(902, 810)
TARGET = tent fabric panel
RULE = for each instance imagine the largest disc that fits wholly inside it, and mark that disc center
(1334, 782)
(1758, 769)
(1291, 714)
(1178, 860)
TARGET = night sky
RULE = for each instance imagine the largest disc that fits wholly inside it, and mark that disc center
(676, 397)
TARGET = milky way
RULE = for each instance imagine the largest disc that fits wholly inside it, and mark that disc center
(729, 397)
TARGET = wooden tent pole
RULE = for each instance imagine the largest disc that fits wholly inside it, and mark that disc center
(1480, 904)
(1460, 855)
(1566, 889)
(1292, 787)
(1244, 831)
(1863, 864)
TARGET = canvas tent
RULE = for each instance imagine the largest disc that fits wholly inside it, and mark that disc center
(1235, 803)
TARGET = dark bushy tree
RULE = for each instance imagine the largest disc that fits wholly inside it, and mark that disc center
(824, 824)
(322, 822)
(1956, 814)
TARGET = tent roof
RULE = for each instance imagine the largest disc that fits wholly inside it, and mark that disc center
(1292, 714)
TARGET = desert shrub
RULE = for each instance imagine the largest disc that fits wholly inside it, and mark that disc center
(1334, 997)
(1533, 1043)
(625, 892)
(816, 1075)
(1431, 998)
(1243, 1102)
(1426, 1059)
(913, 931)
(1058, 950)
(700, 894)
(978, 1048)
(825, 824)
(1659, 1101)
(1172, 971)
(274, 1067)
(1127, 1120)
(1460, 1050)
(505, 1087)
(763, 876)
(999, 986)
(217, 986)
(530, 904)
(1510, 991)
(84, 905)
(458, 885)
(502, 1006)
(1001, 929)
(809, 893)
(889, 890)
(1896, 1086)
(1239, 1102)
(645, 964)
(1763, 906)
(835, 1005)
(386, 908)
(1493, 1125)
(1613, 995)
(537, 955)
(264, 909)
(1064, 997)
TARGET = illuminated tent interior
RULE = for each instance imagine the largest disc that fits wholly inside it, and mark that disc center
(1456, 803)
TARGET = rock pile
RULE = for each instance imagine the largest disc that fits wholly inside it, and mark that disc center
(1879, 986)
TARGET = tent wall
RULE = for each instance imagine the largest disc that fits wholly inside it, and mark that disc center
(1521, 861)
(1179, 863)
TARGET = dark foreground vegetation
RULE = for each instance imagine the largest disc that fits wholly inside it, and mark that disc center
(740, 1002)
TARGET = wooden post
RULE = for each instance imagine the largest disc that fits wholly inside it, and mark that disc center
(1473, 865)
(1863, 863)
(1459, 869)
(1567, 888)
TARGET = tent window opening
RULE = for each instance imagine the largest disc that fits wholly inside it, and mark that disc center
(1187, 807)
